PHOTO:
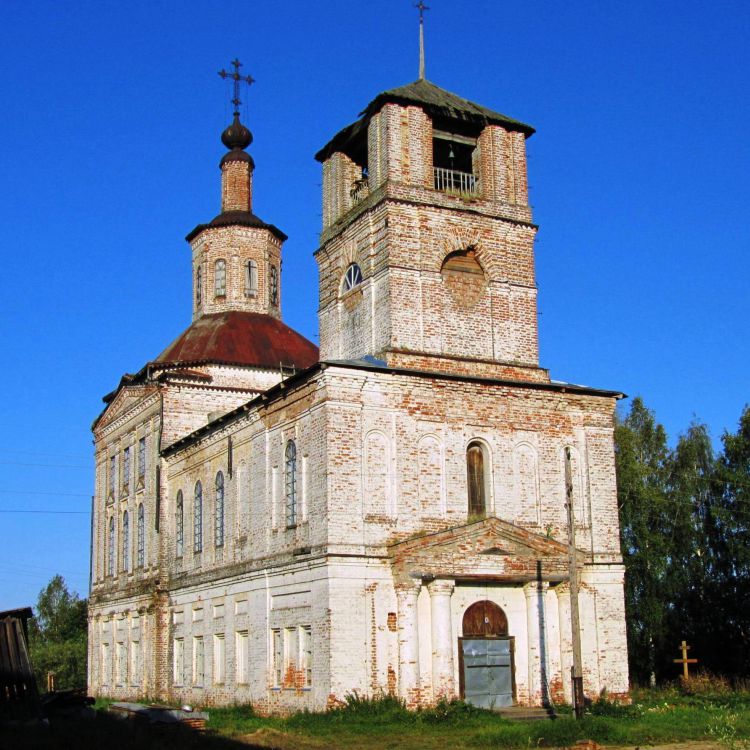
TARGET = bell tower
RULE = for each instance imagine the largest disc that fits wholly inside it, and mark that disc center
(236, 256)
(426, 256)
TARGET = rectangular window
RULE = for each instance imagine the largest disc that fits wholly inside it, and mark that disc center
(292, 657)
(112, 475)
(220, 658)
(251, 278)
(242, 647)
(121, 665)
(199, 662)
(305, 654)
(126, 470)
(278, 657)
(179, 661)
(135, 663)
(142, 460)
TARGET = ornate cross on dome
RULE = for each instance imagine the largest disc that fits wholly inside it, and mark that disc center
(236, 79)
(422, 8)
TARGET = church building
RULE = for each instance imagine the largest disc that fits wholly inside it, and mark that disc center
(280, 525)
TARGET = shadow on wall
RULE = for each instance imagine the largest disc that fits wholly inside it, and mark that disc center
(542, 636)
(111, 733)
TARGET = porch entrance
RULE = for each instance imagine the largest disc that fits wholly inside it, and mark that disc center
(485, 655)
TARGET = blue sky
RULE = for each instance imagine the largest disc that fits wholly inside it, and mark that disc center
(109, 145)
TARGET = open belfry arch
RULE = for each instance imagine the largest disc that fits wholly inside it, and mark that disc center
(386, 514)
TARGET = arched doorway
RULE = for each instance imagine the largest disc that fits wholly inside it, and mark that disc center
(486, 657)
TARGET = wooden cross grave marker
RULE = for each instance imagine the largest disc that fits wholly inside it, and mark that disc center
(685, 661)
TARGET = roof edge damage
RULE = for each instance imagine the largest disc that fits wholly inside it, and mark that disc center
(435, 101)
(373, 365)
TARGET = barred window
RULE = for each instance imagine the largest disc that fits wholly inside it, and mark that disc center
(141, 541)
(219, 525)
(220, 278)
(111, 548)
(126, 469)
(112, 474)
(125, 542)
(179, 526)
(251, 279)
(291, 484)
(198, 287)
(142, 458)
(198, 518)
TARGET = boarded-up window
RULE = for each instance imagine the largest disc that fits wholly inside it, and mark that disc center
(220, 278)
(475, 471)
(484, 619)
(251, 279)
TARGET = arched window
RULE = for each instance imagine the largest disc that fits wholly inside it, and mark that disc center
(198, 287)
(352, 278)
(477, 480)
(220, 278)
(219, 526)
(251, 279)
(273, 285)
(141, 540)
(198, 518)
(125, 542)
(179, 530)
(111, 548)
(290, 476)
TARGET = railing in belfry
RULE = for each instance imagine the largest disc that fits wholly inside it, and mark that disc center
(360, 189)
(453, 181)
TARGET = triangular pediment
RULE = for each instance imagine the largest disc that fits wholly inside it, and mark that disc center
(491, 549)
(126, 399)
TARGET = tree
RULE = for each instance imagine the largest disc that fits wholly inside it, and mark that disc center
(693, 563)
(641, 455)
(58, 636)
(733, 550)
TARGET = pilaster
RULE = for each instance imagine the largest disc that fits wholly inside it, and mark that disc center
(408, 641)
(442, 638)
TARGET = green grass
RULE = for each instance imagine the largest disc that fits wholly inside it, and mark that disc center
(655, 717)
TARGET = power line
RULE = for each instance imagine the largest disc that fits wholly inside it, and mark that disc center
(41, 453)
(44, 492)
(50, 466)
(58, 512)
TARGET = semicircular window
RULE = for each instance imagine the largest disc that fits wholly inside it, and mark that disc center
(352, 278)
(462, 262)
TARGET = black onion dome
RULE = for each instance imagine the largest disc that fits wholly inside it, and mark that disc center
(236, 136)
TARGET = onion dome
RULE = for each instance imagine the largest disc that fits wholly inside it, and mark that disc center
(236, 136)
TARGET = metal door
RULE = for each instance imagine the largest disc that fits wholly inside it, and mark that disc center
(487, 665)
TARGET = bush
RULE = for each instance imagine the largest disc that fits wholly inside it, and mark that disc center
(445, 711)
(605, 707)
(704, 683)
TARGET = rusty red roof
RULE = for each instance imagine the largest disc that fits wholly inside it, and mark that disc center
(241, 338)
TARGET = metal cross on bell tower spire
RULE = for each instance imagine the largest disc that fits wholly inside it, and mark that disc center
(236, 80)
(422, 8)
